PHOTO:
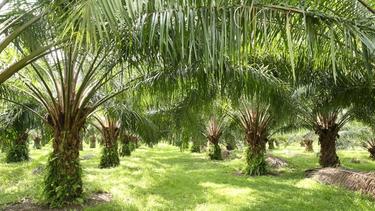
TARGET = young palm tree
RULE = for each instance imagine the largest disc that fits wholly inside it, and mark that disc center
(110, 130)
(327, 126)
(213, 133)
(128, 143)
(256, 122)
(16, 122)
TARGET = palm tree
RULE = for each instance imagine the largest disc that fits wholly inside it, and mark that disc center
(128, 143)
(212, 34)
(16, 122)
(256, 121)
(213, 133)
(370, 146)
(67, 85)
(110, 130)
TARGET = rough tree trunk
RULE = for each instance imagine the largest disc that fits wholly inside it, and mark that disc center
(110, 156)
(255, 155)
(93, 142)
(327, 140)
(63, 183)
(308, 145)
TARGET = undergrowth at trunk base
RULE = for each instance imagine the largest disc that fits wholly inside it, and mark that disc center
(63, 183)
(256, 164)
(214, 152)
(110, 157)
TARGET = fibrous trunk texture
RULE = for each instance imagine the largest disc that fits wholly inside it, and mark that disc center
(255, 155)
(63, 183)
(327, 140)
(18, 150)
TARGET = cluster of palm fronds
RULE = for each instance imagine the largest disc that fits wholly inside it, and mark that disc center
(256, 122)
(370, 146)
(213, 131)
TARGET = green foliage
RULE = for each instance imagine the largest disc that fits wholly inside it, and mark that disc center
(126, 149)
(255, 163)
(214, 152)
(62, 185)
(17, 153)
(195, 147)
(109, 157)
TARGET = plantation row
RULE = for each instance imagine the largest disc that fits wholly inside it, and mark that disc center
(150, 71)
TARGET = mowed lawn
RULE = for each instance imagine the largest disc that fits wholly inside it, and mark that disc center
(163, 178)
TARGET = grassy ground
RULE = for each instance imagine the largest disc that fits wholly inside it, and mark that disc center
(163, 178)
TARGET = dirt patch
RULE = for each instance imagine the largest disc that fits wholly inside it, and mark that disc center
(27, 204)
(276, 162)
(352, 180)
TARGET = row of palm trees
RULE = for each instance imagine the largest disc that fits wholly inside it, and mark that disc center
(90, 52)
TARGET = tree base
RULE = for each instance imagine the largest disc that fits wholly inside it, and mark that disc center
(63, 182)
(214, 152)
(125, 150)
(110, 158)
(256, 163)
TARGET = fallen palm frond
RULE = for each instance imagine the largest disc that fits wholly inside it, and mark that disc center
(356, 181)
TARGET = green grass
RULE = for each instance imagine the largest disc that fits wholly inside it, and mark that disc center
(163, 178)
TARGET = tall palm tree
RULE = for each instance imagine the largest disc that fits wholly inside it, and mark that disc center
(16, 123)
(110, 130)
(66, 84)
(213, 133)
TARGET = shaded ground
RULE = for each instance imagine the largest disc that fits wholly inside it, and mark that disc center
(163, 178)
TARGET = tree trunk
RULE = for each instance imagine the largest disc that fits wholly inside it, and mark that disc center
(327, 140)
(255, 155)
(18, 150)
(37, 143)
(125, 148)
(63, 183)
(110, 156)
(93, 142)
(214, 152)
(308, 145)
